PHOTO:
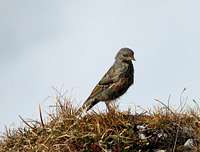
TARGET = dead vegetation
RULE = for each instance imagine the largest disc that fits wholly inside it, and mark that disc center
(161, 129)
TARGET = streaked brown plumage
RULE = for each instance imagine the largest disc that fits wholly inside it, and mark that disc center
(114, 83)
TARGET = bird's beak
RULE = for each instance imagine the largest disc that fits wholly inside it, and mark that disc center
(133, 58)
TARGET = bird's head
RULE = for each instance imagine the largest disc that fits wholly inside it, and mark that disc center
(125, 54)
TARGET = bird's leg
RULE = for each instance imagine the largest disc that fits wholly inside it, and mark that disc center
(110, 106)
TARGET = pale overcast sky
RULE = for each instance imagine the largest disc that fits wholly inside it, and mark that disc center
(72, 43)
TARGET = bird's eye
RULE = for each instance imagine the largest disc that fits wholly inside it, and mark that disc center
(126, 55)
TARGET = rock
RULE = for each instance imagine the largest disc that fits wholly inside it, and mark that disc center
(189, 143)
(163, 135)
(141, 127)
(142, 136)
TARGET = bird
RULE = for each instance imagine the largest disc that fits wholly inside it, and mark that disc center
(114, 83)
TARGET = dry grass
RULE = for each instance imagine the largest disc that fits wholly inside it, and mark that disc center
(163, 128)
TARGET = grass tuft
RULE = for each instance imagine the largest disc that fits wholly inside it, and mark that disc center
(162, 128)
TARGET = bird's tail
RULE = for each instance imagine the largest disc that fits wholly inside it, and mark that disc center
(87, 105)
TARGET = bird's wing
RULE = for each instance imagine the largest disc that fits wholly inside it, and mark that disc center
(98, 89)
(107, 78)
(112, 76)
(105, 82)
